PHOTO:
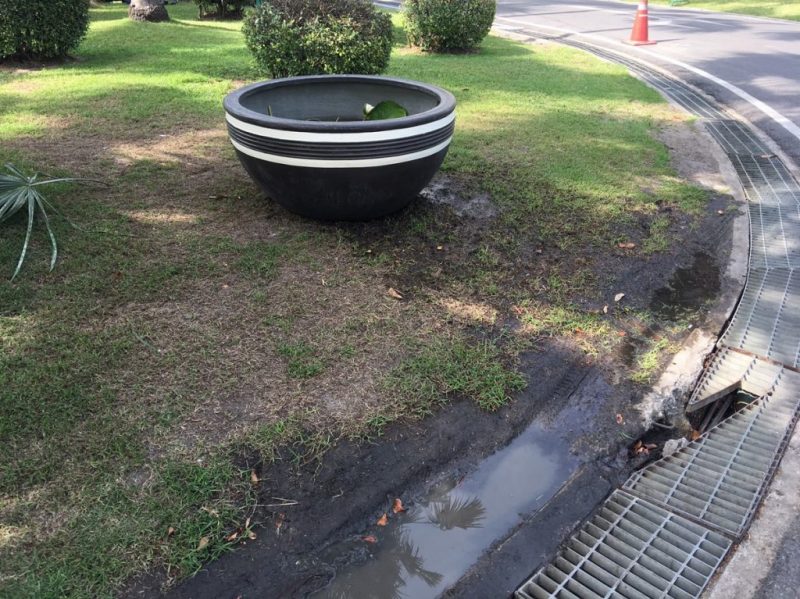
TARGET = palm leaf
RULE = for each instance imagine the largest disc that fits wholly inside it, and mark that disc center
(18, 191)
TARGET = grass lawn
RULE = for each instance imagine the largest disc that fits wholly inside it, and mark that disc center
(778, 9)
(190, 319)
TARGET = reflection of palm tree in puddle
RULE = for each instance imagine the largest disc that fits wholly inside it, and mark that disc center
(386, 576)
(458, 512)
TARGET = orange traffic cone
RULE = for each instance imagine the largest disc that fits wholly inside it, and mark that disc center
(639, 35)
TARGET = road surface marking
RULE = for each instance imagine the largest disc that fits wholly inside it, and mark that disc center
(760, 105)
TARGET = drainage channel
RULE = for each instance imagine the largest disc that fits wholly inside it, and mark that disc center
(672, 523)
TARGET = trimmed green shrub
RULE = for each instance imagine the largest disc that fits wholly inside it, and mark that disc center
(448, 25)
(41, 29)
(222, 9)
(316, 37)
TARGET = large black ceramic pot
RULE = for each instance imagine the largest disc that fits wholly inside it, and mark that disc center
(306, 143)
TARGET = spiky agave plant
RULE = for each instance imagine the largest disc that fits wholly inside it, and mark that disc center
(21, 192)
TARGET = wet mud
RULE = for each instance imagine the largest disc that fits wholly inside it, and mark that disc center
(689, 289)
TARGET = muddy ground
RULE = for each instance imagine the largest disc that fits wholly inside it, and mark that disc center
(581, 397)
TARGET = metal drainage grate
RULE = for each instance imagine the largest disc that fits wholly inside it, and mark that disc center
(767, 319)
(774, 236)
(735, 137)
(731, 370)
(766, 179)
(631, 549)
(719, 479)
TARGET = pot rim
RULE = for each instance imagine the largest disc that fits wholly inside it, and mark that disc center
(233, 106)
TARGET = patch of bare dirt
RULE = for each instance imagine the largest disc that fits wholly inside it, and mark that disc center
(694, 155)
(219, 346)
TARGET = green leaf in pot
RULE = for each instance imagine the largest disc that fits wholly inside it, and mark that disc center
(388, 109)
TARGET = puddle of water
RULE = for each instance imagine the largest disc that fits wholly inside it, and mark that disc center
(688, 289)
(422, 552)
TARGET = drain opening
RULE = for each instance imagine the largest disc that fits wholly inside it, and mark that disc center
(706, 418)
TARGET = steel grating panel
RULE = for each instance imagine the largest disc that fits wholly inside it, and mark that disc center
(767, 319)
(774, 236)
(719, 478)
(731, 370)
(735, 137)
(766, 179)
(631, 549)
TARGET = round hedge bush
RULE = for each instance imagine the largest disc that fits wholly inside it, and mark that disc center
(448, 25)
(319, 37)
(222, 9)
(41, 29)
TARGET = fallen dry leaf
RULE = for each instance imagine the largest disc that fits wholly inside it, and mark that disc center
(392, 292)
(170, 531)
(620, 419)
(626, 246)
(203, 542)
(251, 535)
(369, 539)
(605, 309)
(232, 537)
(254, 477)
(397, 506)
(618, 297)
(720, 212)
(383, 520)
(696, 435)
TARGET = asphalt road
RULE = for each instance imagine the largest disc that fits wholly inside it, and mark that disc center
(751, 64)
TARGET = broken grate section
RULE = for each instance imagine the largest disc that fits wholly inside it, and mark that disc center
(731, 370)
(719, 478)
(767, 319)
(631, 549)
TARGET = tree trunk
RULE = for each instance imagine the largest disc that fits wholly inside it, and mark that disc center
(148, 10)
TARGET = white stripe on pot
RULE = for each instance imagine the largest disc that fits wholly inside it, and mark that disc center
(340, 137)
(360, 163)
